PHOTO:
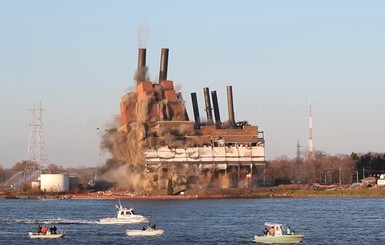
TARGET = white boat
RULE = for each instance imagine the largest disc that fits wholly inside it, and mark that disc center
(279, 236)
(150, 231)
(124, 216)
(47, 235)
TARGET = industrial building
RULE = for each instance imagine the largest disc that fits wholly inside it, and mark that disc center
(171, 144)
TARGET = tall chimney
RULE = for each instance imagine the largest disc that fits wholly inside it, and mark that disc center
(141, 58)
(216, 108)
(230, 106)
(194, 100)
(163, 65)
(179, 97)
(208, 106)
(140, 74)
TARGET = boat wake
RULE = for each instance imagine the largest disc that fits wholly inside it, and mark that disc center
(47, 221)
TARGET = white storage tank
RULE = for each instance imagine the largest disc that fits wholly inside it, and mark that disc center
(54, 182)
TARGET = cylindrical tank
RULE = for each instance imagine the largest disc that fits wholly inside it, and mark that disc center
(74, 182)
(54, 182)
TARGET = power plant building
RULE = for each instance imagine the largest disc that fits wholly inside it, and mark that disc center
(173, 143)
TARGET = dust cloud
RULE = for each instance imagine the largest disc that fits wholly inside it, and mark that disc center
(127, 168)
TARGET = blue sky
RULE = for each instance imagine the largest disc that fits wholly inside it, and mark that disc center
(79, 57)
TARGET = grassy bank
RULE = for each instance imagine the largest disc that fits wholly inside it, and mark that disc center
(292, 191)
(283, 191)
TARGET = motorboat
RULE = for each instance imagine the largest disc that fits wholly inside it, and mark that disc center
(47, 235)
(278, 235)
(149, 231)
(124, 216)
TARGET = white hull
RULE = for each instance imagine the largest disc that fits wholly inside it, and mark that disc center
(45, 236)
(278, 239)
(144, 232)
(126, 220)
(124, 216)
(276, 235)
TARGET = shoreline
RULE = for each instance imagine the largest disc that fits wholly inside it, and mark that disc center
(184, 197)
(290, 191)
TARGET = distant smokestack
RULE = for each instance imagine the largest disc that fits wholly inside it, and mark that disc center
(141, 58)
(311, 156)
(180, 98)
(163, 65)
(208, 106)
(216, 108)
(230, 105)
(140, 74)
(196, 110)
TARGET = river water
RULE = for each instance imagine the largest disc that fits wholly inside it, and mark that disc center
(210, 221)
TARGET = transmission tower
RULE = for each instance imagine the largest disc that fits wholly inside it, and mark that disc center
(36, 148)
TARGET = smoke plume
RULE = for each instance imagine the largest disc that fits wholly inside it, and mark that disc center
(143, 32)
(141, 74)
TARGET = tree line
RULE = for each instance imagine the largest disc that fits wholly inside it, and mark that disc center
(325, 169)
(84, 173)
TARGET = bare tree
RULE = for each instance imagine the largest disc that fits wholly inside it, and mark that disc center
(55, 169)
(322, 168)
(2, 174)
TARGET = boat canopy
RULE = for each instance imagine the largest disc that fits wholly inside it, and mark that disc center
(272, 224)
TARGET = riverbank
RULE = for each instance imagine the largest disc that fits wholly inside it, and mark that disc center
(283, 191)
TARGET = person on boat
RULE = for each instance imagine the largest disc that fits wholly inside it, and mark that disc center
(152, 226)
(265, 231)
(144, 228)
(38, 229)
(54, 229)
(272, 231)
(44, 229)
(288, 231)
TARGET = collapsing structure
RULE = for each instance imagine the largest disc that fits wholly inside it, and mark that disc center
(191, 153)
